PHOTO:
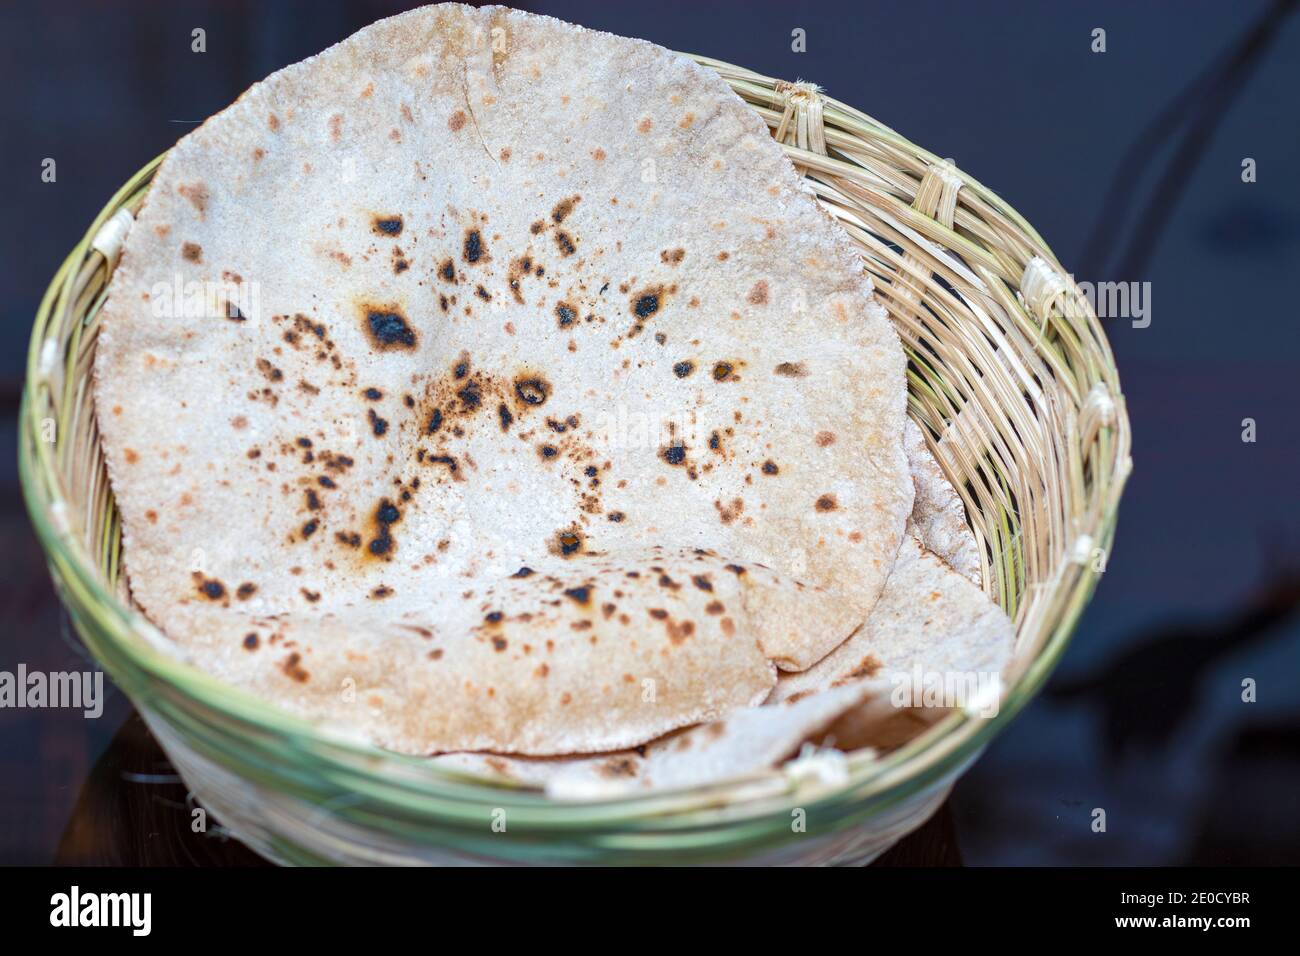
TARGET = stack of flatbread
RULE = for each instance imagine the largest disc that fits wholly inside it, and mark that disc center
(489, 388)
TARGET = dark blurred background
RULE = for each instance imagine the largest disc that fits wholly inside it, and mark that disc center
(1128, 162)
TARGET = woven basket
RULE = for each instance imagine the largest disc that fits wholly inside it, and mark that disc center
(1010, 378)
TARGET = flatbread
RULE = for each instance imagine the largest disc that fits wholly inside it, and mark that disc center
(932, 615)
(747, 741)
(930, 620)
(884, 719)
(694, 637)
(938, 518)
(472, 291)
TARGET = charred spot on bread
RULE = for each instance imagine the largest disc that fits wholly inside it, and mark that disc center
(532, 390)
(472, 249)
(388, 328)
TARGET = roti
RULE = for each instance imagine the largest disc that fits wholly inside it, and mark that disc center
(930, 619)
(938, 518)
(485, 382)
(693, 636)
(747, 741)
(932, 628)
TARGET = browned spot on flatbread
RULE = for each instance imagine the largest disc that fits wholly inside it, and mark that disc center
(532, 390)
(724, 371)
(674, 453)
(867, 667)
(269, 371)
(758, 294)
(645, 304)
(209, 588)
(192, 252)
(381, 542)
(680, 631)
(568, 542)
(473, 249)
(456, 122)
(562, 208)
(197, 194)
(387, 328)
(293, 669)
(565, 315)
(619, 767)
(730, 512)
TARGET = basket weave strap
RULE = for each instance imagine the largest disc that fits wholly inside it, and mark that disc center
(1043, 289)
(936, 197)
(108, 240)
(802, 121)
(937, 194)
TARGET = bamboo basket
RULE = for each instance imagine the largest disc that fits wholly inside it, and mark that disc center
(1010, 378)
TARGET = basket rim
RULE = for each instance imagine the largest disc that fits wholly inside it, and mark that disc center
(124, 636)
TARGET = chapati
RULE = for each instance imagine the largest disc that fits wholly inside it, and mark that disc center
(476, 292)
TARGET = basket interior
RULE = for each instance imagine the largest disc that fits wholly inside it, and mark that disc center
(1010, 378)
